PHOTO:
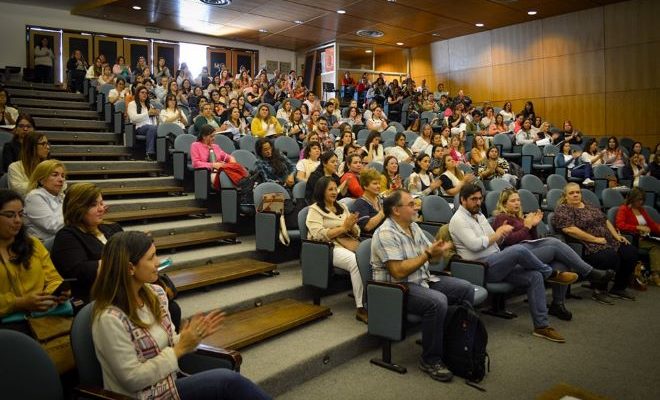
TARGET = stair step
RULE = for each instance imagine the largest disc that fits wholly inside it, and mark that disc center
(69, 124)
(192, 239)
(206, 275)
(57, 136)
(119, 216)
(78, 168)
(85, 151)
(61, 113)
(27, 102)
(46, 94)
(34, 86)
(127, 190)
(246, 327)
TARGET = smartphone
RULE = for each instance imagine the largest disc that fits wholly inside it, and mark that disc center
(64, 287)
(363, 218)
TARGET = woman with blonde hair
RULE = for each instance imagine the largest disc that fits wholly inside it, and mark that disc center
(43, 203)
(35, 149)
(479, 150)
(263, 124)
(134, 338)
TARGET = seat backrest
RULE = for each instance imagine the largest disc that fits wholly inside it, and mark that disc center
(590, 197)
(288, 147)
(169, 128)
(299, 190)
(348, 202)
(26, 370)
(436, 209)
(556, 181)
(551, 228)
(267, 187)
(295, 103)
(302, 222)
(226, 144)
(550, 150)
(528, 201)
(105, 89)
(649, 184)
(377, 165)
(603, 172)
(363, 133)
(405, 170)
(612, 198)
(245, 158)
(531, 149)
(82, 343)
(363, 256)
(611, 215)
(532, 183)
(120, 106)
(388, 136)
(499, 184)
(183, 142)
(247, 143)
(225, 182)
(653, 213)
(410, 137)
(553, 197)
(491, 201)
(397, 125)
(503, 140)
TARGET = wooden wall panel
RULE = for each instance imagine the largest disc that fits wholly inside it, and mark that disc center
(574, 74)
(632, 113)
(587, 112)
(471, 51)
(421, 66)
(518, 80)
(631, 22)
(474, 82)
(633, 67)
(440, 56)
(573, 33)
(517, 43)
(392, 61)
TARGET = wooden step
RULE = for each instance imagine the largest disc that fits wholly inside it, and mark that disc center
(61, 113)
(56, 136)
(34, 86)
(243, 328)
(45, 94)
(69, 124)
(192, 239)
(111, 167)
(26, 102)
(84, 152)
(125, 190)
(210, 274)
(155, 213)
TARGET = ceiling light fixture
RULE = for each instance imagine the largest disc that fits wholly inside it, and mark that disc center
(297, 21)
(368, 51)
(263, 30)
(369, 33)
(399, 43)
(219, 3)
(435, 34)
(341, 11)
(479, 25)
(138, 8)
(532, 12)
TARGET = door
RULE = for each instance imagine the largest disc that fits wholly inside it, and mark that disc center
(110, 47)
(245, 59)
(73, 42)
(36, 36)
(134, 49)
(170, 52)
(217, 59)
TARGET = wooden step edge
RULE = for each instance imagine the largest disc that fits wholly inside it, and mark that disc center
(118, 191)
(307, 313)
(155, 213)
(112, 171)
(225, 273)
(67, 154)
(191, 239)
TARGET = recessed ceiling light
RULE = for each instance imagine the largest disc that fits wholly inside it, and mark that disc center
(435, 34)
(391, 1)
(479, 25)
(368, 51)
(137, 8)
(399, 43)
(341, 11)
(263, 30)
(369, 33)
(532, 12)
(297, 21)
(220, 3)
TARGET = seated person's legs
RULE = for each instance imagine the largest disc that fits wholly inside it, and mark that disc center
(345, 259)
(218, 383)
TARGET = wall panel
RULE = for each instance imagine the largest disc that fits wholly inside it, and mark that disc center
(633, 67)
(573, 33)
(587, 112)
(517, 43)
(631, 22)
(632, 113)
(574, 74)
(474, 82)
(518, 80)
(471, 51)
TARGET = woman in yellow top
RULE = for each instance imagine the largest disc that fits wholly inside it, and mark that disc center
(263, 124)
(27, 275)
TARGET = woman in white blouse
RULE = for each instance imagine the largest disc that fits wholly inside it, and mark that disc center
(400, 150)
(143, 116)
(424, 139)
(172, 114)
(119, 92)
(285, 109)
(134, 338)
(378, 122)
(309, 162)
(507, 112)
(43, 203)
(421, 181)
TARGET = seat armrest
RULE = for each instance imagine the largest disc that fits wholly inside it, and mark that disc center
(207, 357)
(316, 263)
(202, 183)
(266, 230)
(472, 271)
(129, 135)
(387, 309)
(229, 204)
(118, 122)
(179, 165)
(92, 392)
(526, 163)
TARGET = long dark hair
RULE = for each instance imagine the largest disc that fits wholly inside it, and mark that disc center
(276, 160)
(23, 245)
(205, 131)
(348, 160)
(138, 103)
(418, 161)
(319, 195)
(29, 152)
(325, 157)
(308, 148)
(587, 146)
(370, 138)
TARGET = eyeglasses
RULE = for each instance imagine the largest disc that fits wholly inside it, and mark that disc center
(12, 214)
(45, 144)
(411, 204)
(24, 126)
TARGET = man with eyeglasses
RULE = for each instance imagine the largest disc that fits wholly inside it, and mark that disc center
(401, 252)
(476, 240)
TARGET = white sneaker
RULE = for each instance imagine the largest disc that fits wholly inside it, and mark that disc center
(588, 182)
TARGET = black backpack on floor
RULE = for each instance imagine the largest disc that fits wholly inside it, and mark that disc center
(465, 342)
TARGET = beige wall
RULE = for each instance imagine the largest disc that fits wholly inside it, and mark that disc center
(598, 68)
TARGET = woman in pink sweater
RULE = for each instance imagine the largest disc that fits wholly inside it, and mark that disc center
(204, 153)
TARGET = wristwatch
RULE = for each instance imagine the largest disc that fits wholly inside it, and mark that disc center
(428, 254)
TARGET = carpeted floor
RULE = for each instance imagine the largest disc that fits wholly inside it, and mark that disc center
(611, 351)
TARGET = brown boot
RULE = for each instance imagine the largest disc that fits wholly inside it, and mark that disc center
(549, 333)
(562, 278)
(361, 315)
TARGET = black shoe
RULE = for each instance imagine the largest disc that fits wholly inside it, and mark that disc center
(559, 311)
(601, 297)
(437, 371)
(597, 276)
(150, 157)
(621, 294)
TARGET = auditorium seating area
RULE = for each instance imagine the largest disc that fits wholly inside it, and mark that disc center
(226, 252)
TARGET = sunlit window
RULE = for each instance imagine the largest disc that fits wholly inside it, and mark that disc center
(194, 55)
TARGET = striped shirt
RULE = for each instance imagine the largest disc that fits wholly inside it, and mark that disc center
(391, 243)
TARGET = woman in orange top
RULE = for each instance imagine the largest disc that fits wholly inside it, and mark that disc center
(352, 169)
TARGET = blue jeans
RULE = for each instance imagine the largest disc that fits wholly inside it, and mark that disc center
(518, 266)
(218, 384)
(149, 132)
(561, 257)
(431, 304)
